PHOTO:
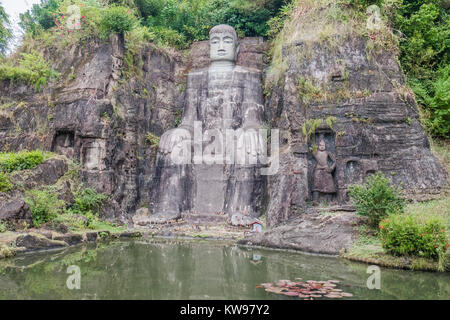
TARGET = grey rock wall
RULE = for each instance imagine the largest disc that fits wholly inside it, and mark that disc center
(376, 125)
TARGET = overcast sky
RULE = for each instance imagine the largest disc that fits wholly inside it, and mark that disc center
(13, 8)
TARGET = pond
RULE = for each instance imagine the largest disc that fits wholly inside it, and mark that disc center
(174, 269)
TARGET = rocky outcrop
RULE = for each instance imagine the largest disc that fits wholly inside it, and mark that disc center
(34, 241)
(312, 232)
(350, 93)
(95, 117)
(16, 214)
(46, 173)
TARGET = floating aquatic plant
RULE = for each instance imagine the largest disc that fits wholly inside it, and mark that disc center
(307, 290)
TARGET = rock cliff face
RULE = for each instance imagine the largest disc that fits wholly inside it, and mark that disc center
(354, 100)
(100, 119)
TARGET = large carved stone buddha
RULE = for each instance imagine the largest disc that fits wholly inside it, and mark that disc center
(209, 164)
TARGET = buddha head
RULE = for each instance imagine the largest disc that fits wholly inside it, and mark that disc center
(224, 44)
(322, 145)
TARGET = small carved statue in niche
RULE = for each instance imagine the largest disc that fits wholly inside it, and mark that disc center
(323, 178)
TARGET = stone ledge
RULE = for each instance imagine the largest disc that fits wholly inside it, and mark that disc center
(14, 243)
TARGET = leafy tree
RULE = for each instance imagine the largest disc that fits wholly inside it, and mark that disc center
(5, 31)
(425, 50)
(39, 17)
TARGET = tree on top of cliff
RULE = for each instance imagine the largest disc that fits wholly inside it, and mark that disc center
(5, 31)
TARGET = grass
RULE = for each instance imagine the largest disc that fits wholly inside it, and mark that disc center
(368, 248)
(441, 150)
(438, 209)
(77, 224)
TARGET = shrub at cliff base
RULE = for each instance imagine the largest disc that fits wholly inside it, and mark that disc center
(405, 235)
(87, 200)
(5, 184)
(87, 203)
(12, 161)
(376, 199)
(44, 205)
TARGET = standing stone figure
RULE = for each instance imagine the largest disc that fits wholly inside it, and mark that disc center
(323, 178)
(222, 98)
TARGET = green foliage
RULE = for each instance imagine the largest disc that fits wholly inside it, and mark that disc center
(118, 19)
(5, 30)
(22, 160)
(192, 19)
(3, 227)
(32, 68)
(5, 184)
(276, 24)
(152, 139)
(307, 91)
(44, 205)
(405, 235)
(39, 17)
(87, 201)
(425, 51)
(376, 199)
(310, 126)
(174, 23)
(434, 97)
(169, 37)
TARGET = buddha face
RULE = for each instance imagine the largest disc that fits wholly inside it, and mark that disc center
(322, 145)
(223, 46)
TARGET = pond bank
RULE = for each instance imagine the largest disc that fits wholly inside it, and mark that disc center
(13, 243)
(330, 233)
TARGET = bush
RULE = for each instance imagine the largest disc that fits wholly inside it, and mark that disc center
(21, 160)
(169, 37)
(376, 199)
(44, 205)
(32, 68)
(88, 201)
(117, 19)
(5, 184)
(3, 227)
(405, 235)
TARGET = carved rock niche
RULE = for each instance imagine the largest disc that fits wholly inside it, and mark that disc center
(64, 142)
(93, 154)
(328, 136)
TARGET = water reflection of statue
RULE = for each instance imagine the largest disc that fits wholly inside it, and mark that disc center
(222, 97)
(323, 178)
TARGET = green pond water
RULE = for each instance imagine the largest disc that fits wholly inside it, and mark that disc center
(170, 269)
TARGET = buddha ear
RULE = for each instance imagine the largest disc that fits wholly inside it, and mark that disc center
(237, 52)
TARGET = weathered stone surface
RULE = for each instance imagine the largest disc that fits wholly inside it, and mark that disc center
(56, 226)
(242, 220)
(142, 217)
(91, 236)
(220, 98)
(376, 125)
(46, 173)
(311, 232)
(15, 213)
(35, 241)
(71, 238)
